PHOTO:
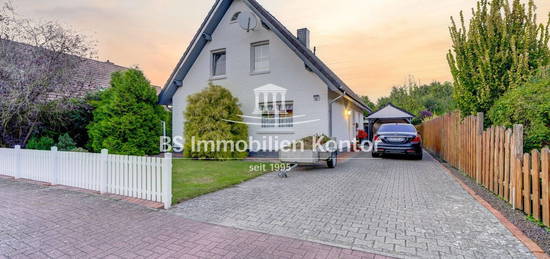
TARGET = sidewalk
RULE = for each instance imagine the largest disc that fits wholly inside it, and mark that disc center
(39, 221)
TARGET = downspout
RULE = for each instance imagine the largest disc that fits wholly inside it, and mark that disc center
(330, 112)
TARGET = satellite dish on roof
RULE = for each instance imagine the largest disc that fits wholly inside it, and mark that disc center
(247, 21)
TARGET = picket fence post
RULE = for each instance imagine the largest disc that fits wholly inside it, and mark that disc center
(167, 180)
(17, 173)
(54, 176)
(103, 171)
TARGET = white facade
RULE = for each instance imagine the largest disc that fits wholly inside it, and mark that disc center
(286, 70)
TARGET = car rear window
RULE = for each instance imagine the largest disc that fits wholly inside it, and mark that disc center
(397, 128)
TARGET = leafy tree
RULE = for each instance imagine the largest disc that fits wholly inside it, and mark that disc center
(39, 60)
(528, 105)
(500, 49)
(207, 119)
(435, 98)
(369, 103)
(127, 118)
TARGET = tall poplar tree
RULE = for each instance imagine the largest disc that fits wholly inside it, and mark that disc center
(502, 47)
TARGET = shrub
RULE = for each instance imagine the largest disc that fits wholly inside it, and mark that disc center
(70, 116)
(206, 120)
(500, 49)
(527, 105)
(42, 143)
(65, 143)
(127, 118)
(79, 150)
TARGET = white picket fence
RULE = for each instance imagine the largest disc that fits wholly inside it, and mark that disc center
(148, 178)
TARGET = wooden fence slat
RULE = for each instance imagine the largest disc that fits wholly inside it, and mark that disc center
(501, 161)
(519, 184)
(487, 161)
(494, 156)
(479, 139)
(507, 162)
(535, 161)
(490, 160)
(517, 153)
(545, 164)
(498, 164)
(526, 184)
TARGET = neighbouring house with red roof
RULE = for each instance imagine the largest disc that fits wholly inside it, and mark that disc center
(88, 75)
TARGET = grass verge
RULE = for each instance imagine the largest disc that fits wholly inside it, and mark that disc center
(192, 178)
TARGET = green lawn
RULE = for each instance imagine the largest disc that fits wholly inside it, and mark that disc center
(192, 178)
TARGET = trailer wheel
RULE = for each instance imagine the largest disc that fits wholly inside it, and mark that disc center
(332, 161)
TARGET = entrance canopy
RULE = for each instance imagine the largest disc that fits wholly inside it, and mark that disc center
(389, 114)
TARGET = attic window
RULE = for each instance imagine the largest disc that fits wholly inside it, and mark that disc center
(235, 17)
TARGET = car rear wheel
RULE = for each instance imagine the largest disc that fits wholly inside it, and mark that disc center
(418, 156)
(374, 154)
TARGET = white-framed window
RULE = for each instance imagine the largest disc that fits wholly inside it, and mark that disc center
(218, 63)
(259, 58)
(283, 117)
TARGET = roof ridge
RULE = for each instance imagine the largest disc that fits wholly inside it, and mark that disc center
(71, 55)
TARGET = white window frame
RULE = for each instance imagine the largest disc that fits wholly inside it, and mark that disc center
(213, 64)
(253, 70)
(283, 122)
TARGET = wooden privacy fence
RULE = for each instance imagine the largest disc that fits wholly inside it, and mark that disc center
(148, 178)
(494, 158)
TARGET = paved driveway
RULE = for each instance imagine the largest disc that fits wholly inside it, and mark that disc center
(403, 208)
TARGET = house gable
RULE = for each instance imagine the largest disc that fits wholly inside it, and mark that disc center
(207, 29)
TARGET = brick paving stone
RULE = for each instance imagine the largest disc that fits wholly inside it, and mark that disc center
(387, 206)
(38, 221)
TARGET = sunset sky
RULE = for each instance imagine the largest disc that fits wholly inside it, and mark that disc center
(371, 44)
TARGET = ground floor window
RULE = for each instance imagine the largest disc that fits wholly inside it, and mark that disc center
(277, 116)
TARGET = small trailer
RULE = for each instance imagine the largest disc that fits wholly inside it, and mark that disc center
(306, 157)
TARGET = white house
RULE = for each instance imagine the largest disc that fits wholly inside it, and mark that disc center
(243, 48)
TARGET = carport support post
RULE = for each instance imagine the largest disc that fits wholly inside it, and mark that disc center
(54, 176)
(103, 171)
(17, 173)
(167, 180)
(371, 130)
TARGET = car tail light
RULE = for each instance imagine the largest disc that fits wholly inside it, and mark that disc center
(376, 138)
(417, 139)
